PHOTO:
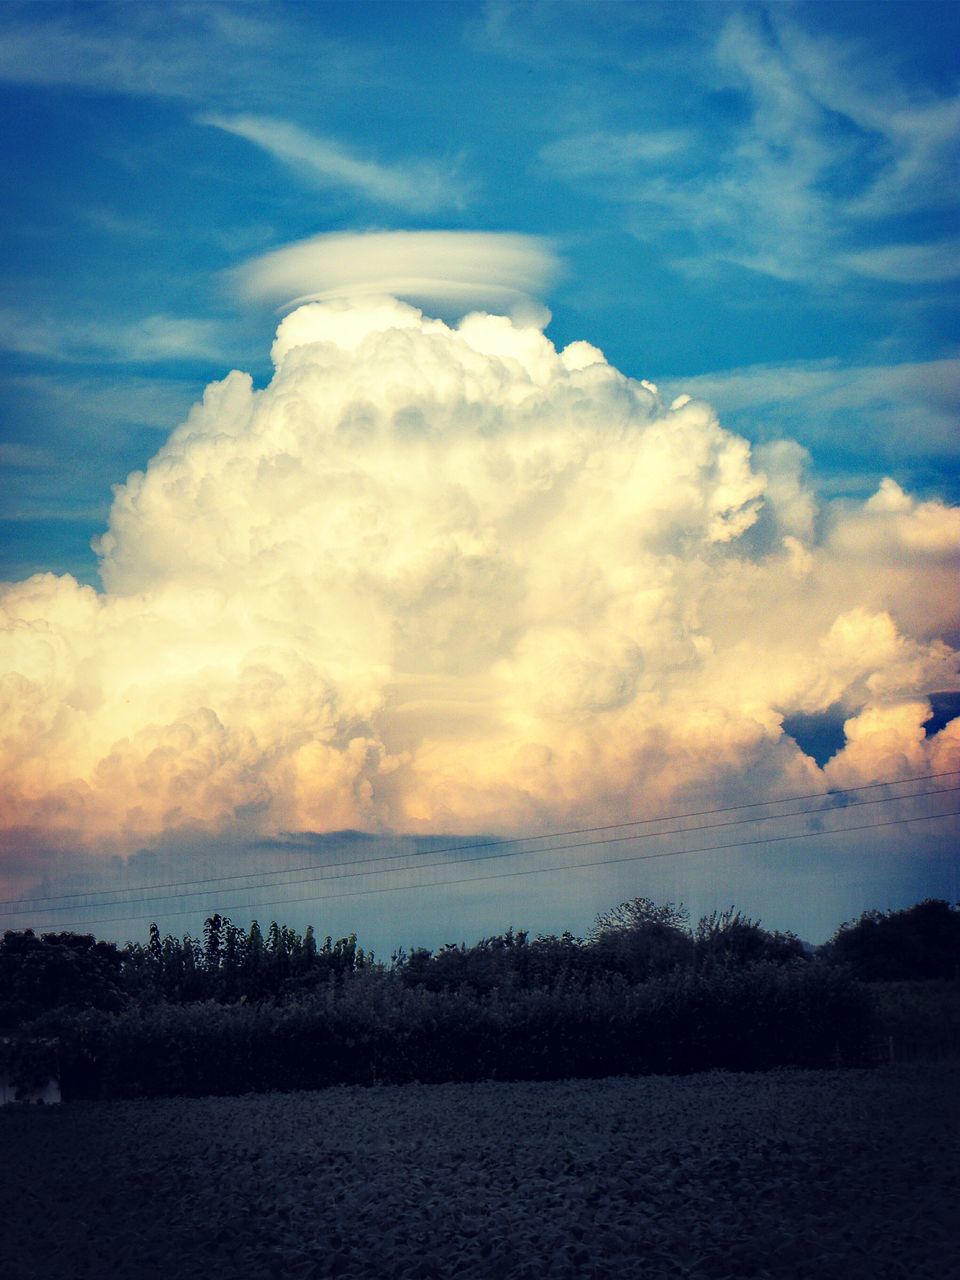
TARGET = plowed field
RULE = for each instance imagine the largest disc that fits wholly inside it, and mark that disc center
(789, 1174)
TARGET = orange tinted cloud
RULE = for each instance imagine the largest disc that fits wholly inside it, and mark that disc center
(439, 578)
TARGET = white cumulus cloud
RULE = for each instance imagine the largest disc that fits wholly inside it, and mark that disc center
(449, 578)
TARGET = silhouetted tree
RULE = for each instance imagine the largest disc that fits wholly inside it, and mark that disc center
(640, 939)
(731, 938)
(920, 942)
(213, 927)
(57, 971)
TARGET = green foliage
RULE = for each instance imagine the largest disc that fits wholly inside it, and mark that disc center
(230, 965)
(639, 915)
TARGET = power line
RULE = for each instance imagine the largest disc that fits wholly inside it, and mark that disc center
(425, 866)
(533, 871)
(482, 844)
(515, 853)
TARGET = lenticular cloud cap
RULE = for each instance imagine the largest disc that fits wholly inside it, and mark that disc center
(449, 272)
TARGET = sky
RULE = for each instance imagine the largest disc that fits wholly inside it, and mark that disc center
(435, 436)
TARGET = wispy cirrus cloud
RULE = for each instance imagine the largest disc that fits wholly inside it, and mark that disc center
(604, 152)
(105, 403)
(15, 456)
(917, 132)
(69, 432)
(228, 54)
(805, 180)
(907, 263)
(143, 341)
(899, 417)
(602, 33)
(417, 186)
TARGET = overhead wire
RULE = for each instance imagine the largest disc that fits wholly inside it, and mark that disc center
(514, 853)
(152, 891)
(526, 871)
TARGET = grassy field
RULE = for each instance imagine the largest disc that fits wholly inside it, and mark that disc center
(786, 1174)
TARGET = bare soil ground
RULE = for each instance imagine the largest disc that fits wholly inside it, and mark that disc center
(819, 1175)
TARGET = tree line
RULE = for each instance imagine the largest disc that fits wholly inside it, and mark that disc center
(242, 1009)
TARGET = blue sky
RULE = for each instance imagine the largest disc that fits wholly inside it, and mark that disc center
(755, 204)
(762, 197)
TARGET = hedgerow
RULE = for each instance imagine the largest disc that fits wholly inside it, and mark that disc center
(238, 1012)
(373, 1030)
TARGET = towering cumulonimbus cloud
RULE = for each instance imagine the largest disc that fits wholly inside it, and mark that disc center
(447, 578)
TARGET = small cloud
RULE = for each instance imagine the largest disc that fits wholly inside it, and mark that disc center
(604, 153)
(892, 523)
(170, 338)
(418, 186)
(113, 223)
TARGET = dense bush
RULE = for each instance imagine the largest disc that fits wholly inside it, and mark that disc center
(376, 1030)
(641, 940)
(919, 943)
(917, 1020)
(57, 970)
